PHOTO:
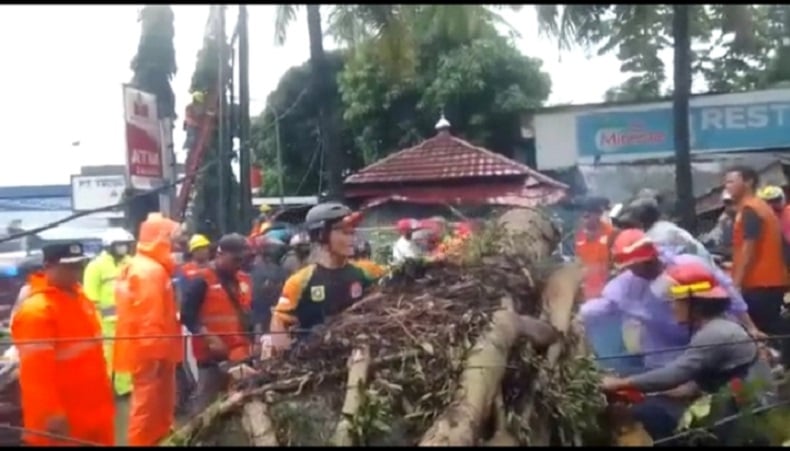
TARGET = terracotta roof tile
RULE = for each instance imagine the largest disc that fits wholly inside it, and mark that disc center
(442, 157)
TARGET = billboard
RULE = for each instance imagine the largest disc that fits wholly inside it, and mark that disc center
(649, 133)
(89, 192)
(144, 162)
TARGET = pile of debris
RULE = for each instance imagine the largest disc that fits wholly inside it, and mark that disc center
(465, 354)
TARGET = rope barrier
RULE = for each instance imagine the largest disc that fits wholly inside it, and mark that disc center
(49, 435)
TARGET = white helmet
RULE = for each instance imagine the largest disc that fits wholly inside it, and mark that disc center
(116, 235)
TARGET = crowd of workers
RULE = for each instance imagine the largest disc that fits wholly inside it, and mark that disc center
(89, 336)
(116, 328)
(687, 323)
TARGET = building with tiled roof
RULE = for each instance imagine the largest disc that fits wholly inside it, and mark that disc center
(445, 169)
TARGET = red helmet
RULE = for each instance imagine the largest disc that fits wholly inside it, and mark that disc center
(407, 225)
(632, 246)
(693, 279)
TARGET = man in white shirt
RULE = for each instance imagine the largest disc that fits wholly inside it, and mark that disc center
(405, 248)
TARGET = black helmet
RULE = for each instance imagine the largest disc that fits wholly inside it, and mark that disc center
(322, 214)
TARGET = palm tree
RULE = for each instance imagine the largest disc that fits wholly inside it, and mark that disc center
(322, 85)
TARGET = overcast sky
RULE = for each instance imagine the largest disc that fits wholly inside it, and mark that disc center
(64, 66)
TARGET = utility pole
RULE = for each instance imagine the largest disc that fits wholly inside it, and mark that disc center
(683, 181)
(279, 157)
(245, 197)
(221, 116)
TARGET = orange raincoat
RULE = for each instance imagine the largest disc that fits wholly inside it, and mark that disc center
(147, 312)
(62, 377)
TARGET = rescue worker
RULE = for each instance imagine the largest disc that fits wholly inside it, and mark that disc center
(592, 246)
(329, 285)
(216, 310)
(262, 222)
(758, 265)
(362, 258)
(192, 118)
(298, 256)
(405, 248)
(268, 278)
(720, 353)
(774, 196)
(638, 293)
(99, 286)
(199, 255)
(665, 234)
(65, 388)
(152, 343)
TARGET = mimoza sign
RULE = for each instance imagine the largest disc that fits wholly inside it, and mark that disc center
(649, 132)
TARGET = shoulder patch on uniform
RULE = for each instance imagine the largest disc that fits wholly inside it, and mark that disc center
(317, 293)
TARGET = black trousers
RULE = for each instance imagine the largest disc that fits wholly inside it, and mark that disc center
(765, 308)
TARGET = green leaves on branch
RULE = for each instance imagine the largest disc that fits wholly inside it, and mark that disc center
(154, 65)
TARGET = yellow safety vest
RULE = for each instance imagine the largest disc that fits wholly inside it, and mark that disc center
(99, 286)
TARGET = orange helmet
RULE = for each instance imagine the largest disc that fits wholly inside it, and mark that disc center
(632, 246)
(693, 279)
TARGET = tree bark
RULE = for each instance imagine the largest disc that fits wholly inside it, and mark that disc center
(333, 156)
(358, 365)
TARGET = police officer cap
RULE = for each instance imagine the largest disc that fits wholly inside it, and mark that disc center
(65, 253)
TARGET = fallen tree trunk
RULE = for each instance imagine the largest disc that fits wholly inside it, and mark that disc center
(444, 361)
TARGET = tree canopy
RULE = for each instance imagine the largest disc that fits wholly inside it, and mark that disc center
(734, 47)
(475, 76)
(154, 65)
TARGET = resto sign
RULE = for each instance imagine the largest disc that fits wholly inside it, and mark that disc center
(143, 139)
(649, 133)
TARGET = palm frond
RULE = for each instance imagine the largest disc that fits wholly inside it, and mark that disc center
(284, 16)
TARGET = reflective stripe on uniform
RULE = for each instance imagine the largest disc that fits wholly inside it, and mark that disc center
(108, 311)
(64, 351)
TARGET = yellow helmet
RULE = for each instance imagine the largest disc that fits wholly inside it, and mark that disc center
(197, 241)
(264, 208)
(198, 97)
(770, 193)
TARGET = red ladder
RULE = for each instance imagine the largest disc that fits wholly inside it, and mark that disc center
(196, 155)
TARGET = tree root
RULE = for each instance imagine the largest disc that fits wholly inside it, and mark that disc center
(461, 423)
(258, 425)
(358, 365)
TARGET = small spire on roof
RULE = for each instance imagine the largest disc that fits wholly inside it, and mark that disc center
(443, 125)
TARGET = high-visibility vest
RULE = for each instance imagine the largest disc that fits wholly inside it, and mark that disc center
(768, 267)
(99, 286)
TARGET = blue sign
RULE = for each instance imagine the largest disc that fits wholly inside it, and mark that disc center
(714, 128)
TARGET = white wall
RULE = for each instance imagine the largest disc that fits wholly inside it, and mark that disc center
(556, 134)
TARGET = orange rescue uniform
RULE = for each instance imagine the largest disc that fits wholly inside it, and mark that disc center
(768, 268)
(147, 312)
(219, 316)
(60, 374)
(594, 254)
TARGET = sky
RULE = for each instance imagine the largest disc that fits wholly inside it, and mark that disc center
(71, 60)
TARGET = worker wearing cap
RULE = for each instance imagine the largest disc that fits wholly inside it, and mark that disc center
(192, 117)
(774, 196)
(405, 248)
(329, 285)
(65, 388)
(593, 240)
(216, 310)
(99, 286)
(149, 342)
(720, 353)
(638, 294)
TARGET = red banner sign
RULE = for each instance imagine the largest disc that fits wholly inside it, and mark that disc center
(144, 160)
